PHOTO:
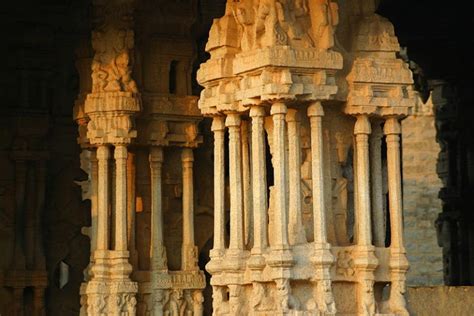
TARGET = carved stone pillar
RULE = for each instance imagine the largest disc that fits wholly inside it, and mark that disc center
(398, 260)
(362, 131)
(259, 187)
(246, 182)
(103, 153)
(296, 232)
(189, 255)
(218, 127)
(259, 194)
(157, 249)
(281, 258)
(131, 200)
(236, 243)
(322, 258)
(365, 261)
(94, 199)
(120, 156)
(378, 211)
(278, 112)
(392, 131)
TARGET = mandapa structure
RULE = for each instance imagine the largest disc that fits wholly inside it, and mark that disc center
(277, 77)
(164, 117)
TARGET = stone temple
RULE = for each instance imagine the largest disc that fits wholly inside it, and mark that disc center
(239, 157)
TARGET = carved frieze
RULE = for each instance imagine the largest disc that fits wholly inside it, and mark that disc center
(283, 51)
(379, 82)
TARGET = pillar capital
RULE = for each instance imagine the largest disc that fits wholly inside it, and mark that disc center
(293, 116)
(120, 151)
(278, 108)
(362, 125)
(233, 120)
(392, 126)
(257, 111)
(103, 152)
(315, 109)
(218, 123)
(187, 155)
(156, 154)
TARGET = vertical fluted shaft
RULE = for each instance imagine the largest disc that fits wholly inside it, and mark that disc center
(259, 180)
(189, 254)
(365, 261)
(157, 255)
(120, 156)
(392, 131)
(246, 181)
(295, 224)
(103, 153)
(131, 208)
(378, 212)
(398, 260)
(315, 113)
(235, 175)
(278, 112)
(362, 131)
(218, 127)
(94, 199)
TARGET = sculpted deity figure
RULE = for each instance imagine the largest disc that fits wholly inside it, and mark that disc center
(342, 191)
(235, 299)
(218, 304)
(159, 301)
(324, 19)
(284, 298)
(368, 300)
(175, 303)
(131, 304)
(198, 299)
(243, 13)
(96, 305)
(111, 66)
(261, 301)
(326, 304)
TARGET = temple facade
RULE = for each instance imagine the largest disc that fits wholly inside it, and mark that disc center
(239, 157)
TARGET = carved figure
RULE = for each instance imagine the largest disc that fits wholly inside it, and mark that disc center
(326, 304)
(235, 299)
(367, 298)
(96, 305)
(219, 305)
(283, 296)
(345, 264)
(112, 43)
(198, 299)
(131, 304)
(159, 300)
(342, 183)
(175, 303)
(261, 301)
(324, 19)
